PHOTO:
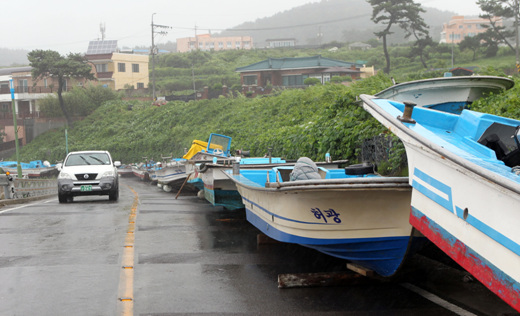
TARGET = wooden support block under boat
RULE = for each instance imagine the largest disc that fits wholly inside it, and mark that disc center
(360, 270)
(290, 280)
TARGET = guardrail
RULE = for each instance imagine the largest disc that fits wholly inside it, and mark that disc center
(25, 188)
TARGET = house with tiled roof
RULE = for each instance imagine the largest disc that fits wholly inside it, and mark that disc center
(292, 72)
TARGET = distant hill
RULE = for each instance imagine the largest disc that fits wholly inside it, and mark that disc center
(335, 20)
(13, 57)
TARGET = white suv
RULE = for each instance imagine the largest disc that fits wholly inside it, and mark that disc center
(88, 173)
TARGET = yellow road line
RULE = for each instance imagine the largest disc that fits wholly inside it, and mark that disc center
(125, 305)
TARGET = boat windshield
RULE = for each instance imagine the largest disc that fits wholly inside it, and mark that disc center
(219, 142)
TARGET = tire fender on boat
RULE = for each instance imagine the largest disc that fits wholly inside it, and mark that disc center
(359, 169)
(203, 167)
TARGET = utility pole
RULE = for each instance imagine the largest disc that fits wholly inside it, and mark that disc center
(18, 166)
(154, 51)
(517, 36)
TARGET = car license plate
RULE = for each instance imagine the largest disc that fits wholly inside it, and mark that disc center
(86, 188)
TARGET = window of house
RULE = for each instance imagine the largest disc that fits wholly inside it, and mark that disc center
(121, 67)
(220, 45)
(229, 45)
(250, 80)
(135, 67)
(140, 85)
(64, 85)
(22, 85)
(292, 80)
(237, 44)
(101, 68)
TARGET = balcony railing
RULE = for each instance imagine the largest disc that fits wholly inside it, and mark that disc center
(31, 89)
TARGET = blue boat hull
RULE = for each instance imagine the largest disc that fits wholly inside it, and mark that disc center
(382, 255)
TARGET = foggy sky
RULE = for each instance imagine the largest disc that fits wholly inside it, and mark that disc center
(67, 26)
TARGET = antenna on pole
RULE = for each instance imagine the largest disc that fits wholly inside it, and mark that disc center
(102, 28)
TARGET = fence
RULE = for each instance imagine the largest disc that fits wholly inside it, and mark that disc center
(24, 188)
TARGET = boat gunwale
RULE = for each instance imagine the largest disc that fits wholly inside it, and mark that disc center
(390, 183)
(489, 175)
(449, 81)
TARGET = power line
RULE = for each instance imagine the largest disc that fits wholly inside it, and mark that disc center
(274, 27)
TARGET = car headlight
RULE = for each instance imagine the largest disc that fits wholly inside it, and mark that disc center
(64, 175)
(109, 173)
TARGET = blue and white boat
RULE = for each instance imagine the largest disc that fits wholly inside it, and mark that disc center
(31, 169)
(171, 174)
(174, 173)
(360, 218)
(464, 170)
(450, 94)
(219, 190)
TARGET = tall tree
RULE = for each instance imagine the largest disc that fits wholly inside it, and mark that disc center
(49, 63)
(498, 8)
(402, 13)
(418, 28)
(472, 43)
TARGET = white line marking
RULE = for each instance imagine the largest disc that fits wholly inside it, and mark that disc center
(437, 300)
(22, 206)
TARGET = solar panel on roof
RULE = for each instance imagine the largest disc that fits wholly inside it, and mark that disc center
(101, 47)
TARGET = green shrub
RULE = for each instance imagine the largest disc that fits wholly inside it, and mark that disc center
(311, 81)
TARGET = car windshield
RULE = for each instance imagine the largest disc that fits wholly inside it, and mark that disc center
(87, 159)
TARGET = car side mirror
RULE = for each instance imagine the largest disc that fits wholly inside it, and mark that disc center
(58, 166)
(117, 163)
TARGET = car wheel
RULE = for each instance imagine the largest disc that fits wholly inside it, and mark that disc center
(113, 195)
(62, 198)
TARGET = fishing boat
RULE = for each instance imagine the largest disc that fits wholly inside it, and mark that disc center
(464, 170)
(219, 190)
(32, 169)
(359, 217)
(171, 175)
(142, 170)
(181, 172)
(450, 94)
(125, 170)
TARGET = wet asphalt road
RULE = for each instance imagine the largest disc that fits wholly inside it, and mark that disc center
(150, 254)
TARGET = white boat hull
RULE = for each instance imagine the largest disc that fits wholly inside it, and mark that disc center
(468, 211)
(364, 221)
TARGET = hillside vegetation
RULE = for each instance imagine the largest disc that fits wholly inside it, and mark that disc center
(302, 122)
(294, 123)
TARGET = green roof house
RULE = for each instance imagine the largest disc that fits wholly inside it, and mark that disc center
(291, 72)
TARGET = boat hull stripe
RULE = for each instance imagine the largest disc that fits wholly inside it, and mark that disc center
(447, 203)
(283, 218)
(497, 281)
